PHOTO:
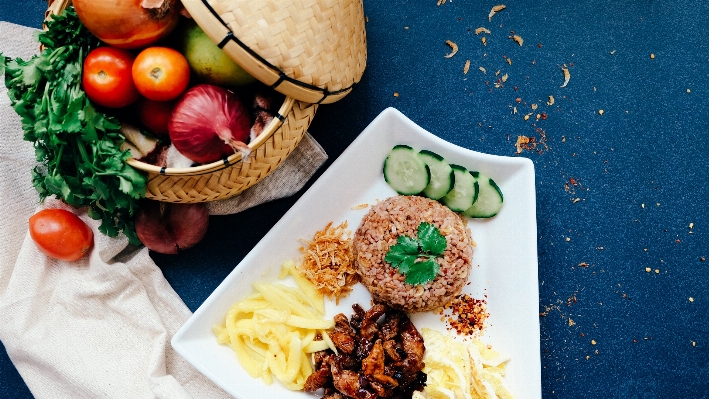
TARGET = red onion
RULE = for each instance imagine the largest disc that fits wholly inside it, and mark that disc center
(209, 123)
(169, 228)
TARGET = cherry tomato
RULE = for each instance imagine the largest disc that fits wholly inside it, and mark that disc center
(161, 73)
(155, 115)
(60, 234)
(107, 77)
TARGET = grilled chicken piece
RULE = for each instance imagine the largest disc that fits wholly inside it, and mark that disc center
(320, 378)
(370, 328)
(412, 342)
(374, 363)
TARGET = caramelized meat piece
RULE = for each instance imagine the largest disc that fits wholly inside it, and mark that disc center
(374, 363)
(347, 382)
(343, 342)
(412, 342)
(369, 323)
(392, 350)
(319, 357)
(364, 346)
(343, 335)
(343, 326)
(333, 395)
(356, 319)
(374, 360)
(320, 378)
(390, 328)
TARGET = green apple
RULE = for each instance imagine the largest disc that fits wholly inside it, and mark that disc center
(208, 63)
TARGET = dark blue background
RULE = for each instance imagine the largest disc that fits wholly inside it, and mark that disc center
(640, 171)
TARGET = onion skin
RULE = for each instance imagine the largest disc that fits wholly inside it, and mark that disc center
(209, 123)
(171, 228)
(129, 24)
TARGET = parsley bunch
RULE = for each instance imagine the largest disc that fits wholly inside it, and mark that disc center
(405, 255)
(77, 147)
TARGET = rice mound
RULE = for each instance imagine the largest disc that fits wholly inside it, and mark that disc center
(401, 215)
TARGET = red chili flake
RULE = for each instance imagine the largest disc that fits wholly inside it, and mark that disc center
(539, 45)
(573, 181)
(544, 115)
(519, 100)
(466, 314)
(515, 88)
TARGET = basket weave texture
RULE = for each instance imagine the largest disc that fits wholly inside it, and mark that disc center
(311, 50)
(226, 178)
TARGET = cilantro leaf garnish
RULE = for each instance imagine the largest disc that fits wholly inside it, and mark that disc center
(415, 258)
(78, 148)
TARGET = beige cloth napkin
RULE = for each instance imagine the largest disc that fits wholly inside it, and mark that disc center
(100, 327)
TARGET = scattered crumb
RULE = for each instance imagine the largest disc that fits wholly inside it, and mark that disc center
(484, 40)
(600, 112)
(360, 206)
(691, 299)
(504, 78)
(567, 75)
(396, 94)
(612, 52)
(688, 90)
(509, 61)
(454, 48)
(647, 269)
(495, 10)
(652, 55)
(482, 30)
(534, 106)
(483, 70)
(466, 67)
(593, 342)
(518, 39)
(657, 271)
(571, 322)
(551, 101)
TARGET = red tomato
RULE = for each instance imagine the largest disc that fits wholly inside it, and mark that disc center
(155, 115)
(107, 78)
(161, 73)
(60, 234)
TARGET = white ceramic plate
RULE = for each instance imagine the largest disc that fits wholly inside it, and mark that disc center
(504, 262)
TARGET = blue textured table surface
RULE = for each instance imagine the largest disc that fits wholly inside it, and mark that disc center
(621, 160)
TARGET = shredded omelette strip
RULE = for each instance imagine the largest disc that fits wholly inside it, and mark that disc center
(328, 262)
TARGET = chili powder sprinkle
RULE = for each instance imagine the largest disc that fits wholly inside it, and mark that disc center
(465, 314)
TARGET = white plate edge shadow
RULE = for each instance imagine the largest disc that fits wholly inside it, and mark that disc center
(180, 341)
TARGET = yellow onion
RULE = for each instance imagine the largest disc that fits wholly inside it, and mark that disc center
(129, 23)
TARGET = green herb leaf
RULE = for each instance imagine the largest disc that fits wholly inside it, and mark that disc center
(415, 257)
(77, 147)
(422, 272)
(432, 241)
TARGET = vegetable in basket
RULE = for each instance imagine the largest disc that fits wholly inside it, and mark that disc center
(77, 146)
(129, 23)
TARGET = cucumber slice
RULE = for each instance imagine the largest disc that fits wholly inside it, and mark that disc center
(405, 171)
(489, 199)
(442, 176)
(464, 192)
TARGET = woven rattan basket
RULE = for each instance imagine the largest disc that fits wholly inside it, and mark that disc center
(231, 176)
